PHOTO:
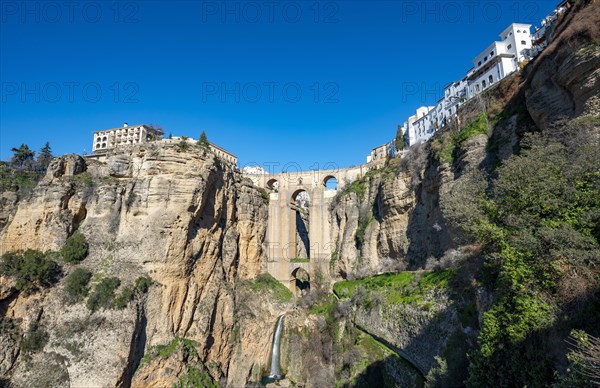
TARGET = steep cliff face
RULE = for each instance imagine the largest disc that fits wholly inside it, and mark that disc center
(393, 221)
(564, 81)
(403, 216)
(184, 219)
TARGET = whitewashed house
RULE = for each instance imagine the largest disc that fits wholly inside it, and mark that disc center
(500, 58)
(418, 127)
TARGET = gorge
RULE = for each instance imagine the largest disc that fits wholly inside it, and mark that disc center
(469, 261)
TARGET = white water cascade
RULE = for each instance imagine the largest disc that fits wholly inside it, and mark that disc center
(275, 372)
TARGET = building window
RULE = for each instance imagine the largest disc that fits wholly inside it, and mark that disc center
(485, 59)
(519, 31)
(492, 54)
(523, 42)
(479, 64)
(509, 47)
(477, 88)
(483, 85)
(491, 79)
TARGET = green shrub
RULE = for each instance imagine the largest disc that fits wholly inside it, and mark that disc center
(446, 145)
(403, 287)
(187, 346)
(103, 294)
(359, 187)
(30, 269)
(142, 284)
(300, 260)
(183, 145)
(264, 195)
(363, 224)
(122, 300)
(76, 283)
(196, 378)
(266, 282)
(35, 339)
(22, 182)
(75, 248)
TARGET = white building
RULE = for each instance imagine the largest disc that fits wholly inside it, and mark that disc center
(492, 65)
(417, 127)
(130, 135)
(127, 135)
(500, 58)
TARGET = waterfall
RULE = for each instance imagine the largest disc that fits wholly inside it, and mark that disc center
(275, 372)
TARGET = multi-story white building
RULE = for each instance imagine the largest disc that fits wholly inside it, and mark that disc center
(127, 135)
(416, 128)
(492, 65)
(500, 58)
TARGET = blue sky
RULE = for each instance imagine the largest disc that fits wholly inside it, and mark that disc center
(304, 82)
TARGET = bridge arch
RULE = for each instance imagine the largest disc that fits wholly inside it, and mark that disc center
(273, 185)
(300, 281)
(301, 197)
(330, 182)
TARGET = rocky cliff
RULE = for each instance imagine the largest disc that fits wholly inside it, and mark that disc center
(182, 218)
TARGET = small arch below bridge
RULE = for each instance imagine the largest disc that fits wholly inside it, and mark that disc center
(300, 282)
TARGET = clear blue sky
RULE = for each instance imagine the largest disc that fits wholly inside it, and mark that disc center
(67, 70)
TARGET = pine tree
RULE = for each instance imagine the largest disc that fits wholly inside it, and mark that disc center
(45, 156)
(399, 139)
(203, 141)
(23, 156)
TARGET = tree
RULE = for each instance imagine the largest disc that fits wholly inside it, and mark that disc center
(45, 156)
(22, 157)
(399, 141)
(170, 135)
(75, 248)
(203, 141)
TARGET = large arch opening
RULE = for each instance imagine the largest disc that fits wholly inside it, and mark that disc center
(330, 182)
(300, 206)
(300, 282)
(273, 185)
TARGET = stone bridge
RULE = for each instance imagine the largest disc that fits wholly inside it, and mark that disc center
(295, 222)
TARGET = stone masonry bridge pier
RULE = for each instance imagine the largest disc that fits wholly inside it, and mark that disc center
(291, 265)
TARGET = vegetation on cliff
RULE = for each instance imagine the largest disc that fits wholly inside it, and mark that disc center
(540, 228)
(31, 270)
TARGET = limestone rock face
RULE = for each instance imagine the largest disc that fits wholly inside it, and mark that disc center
(396, 225)
(184, 219)
(8, 206)
(418, 334)
(565, 80)
(67, 165)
